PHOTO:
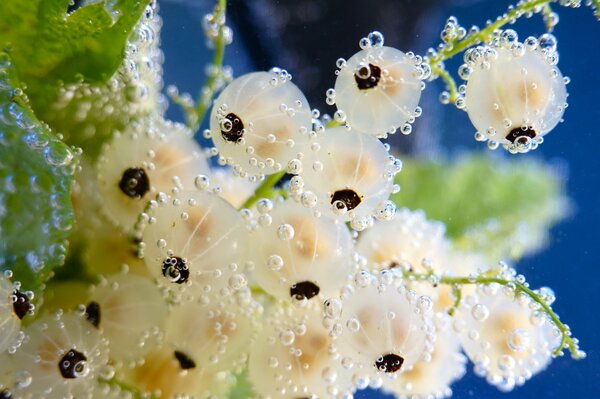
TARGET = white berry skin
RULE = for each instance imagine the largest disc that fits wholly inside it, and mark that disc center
(10, 323)
(433, 379)
(392, 102)
(292, 358)
(168, 156)
(161, 373)
(231, 188)
(409, 239)
(347, 160)
(201, 230)
(515, 91)
(507, 341)
(320, 252)
(271, 135)
(132, 313)
(381, 320)
(215, 336)
(49, 340)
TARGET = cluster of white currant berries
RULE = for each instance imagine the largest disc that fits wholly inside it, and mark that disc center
(313, 292)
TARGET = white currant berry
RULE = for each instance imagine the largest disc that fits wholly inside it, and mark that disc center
(231, 188)
(14, 306)
(384, 329)
(313, 262)
(351, 174)
(378, 90)
(195, 238)
(164, 374)
(260, 121)
(293, 358)
(61, 357)
(513, 98)
(506, 338)
(151, 156)
(408, 240)
(433, 379)
(214, 336)
(130, 311)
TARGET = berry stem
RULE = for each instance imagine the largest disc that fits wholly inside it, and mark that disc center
(566, 339)
(445, 75)
(486, 33)
(264, 190)
(208, 90)
(123, 386)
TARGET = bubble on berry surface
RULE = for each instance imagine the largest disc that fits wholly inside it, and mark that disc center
(14, 305)
(304, 366)
(131, 313)
(514, 99)
(150, 156)
(231, 188)
(198, 250)
(378, 87)
(381, 328)
(260, 122)
(355, 175)
(506, 346)
(61, 356)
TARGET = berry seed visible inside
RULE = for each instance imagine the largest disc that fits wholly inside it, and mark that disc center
(348, 197)
(185, 362)
(21, 304)
(134, 183)
(234, 128)
(176, 270)
(389, 363)
(305, 289)
(72, 364)
(92, 313)
(517, 133)
(367, 77)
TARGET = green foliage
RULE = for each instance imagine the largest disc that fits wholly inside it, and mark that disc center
(52, 49)
(502, 208)
(242, 389)
(36, 173)
(48, 46)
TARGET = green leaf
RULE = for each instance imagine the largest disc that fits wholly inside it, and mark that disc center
(36, 172)
(500, 207)
(48, 46)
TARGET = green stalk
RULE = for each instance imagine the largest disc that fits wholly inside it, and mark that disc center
(264, 190)
(566, 339)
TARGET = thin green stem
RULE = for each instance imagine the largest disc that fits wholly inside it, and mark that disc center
(458, 298)
(264, 190)
(547, 13)
(566, 340)
(135, 392)
(445, 75)
(596, 6)
(486, 33)
(209, 88)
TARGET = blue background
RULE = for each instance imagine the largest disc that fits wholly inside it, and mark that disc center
(571, 263)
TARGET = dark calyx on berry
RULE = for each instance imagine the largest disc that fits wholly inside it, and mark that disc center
(185, 362)
(367, 77)
(5, 394)
(348, 197)
(21, 305)
(175, 269)
(389, 363)
(92, 313)
(519, 135)
(234, 128)
(72, 364)
(305, 289)
(134, 183)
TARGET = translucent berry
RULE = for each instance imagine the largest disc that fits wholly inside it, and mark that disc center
(514, 99)
(260, 122)
(313, 262)
(378, 89)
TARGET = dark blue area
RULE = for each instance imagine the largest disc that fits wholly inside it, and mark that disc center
(571, 263)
